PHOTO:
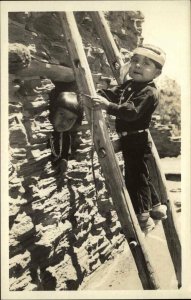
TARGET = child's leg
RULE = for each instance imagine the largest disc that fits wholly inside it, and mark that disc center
(137, 184)
(158, 210)
(136, 178)
(140, 194)
(139, 191)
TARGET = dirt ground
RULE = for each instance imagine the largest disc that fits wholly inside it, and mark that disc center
(120, 273)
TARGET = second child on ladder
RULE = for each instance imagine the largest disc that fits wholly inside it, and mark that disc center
(133, 103)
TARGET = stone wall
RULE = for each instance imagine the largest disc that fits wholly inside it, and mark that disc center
(60, 229)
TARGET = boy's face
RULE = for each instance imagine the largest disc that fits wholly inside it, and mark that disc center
(143, 69)
(63, 119)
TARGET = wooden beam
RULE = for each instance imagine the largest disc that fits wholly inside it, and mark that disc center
(171, 233)
(106, 155)
(54, 72)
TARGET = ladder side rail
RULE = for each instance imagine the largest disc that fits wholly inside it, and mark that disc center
(107, 156)
(112, 52)
(170, 224)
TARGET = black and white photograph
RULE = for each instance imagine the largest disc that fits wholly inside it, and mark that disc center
(95, 150)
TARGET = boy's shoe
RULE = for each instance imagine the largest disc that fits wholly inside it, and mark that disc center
(146, 222)
(159, 212)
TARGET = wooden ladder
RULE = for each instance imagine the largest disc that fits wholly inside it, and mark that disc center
(103, 145)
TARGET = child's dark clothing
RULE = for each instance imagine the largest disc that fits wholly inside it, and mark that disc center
(133, 104)
(65, 147)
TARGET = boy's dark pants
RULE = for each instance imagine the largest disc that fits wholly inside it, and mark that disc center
(137, 155)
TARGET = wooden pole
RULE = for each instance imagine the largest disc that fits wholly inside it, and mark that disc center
(108, 43)
(54, 72)
(111, 49)
(169, 225)
(106, 155)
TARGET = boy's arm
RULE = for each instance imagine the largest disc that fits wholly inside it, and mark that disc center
(112, 95)
(148, 100)
(105, 96)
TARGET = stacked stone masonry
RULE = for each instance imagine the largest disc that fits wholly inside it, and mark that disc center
(60, 230)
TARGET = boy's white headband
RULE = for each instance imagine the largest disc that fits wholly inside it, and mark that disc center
(160, 58)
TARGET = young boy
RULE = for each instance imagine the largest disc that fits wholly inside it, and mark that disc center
(133, 103)
(65, 115)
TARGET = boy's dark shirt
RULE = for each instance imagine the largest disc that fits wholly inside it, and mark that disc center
(65, 145)
(135, 113)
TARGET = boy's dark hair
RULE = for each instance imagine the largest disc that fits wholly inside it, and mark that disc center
(69, 101)
(66, 99)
